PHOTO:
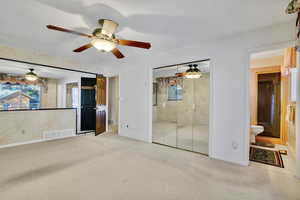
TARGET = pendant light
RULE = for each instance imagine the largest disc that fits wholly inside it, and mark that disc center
(193, 72)
(31, 76)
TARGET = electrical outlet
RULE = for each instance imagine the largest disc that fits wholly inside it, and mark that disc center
(234, 145)
(23, 131)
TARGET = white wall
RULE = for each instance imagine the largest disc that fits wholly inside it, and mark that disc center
(230, 117)
(134, 103)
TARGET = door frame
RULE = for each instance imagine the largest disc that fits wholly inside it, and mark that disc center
(283, 100)
(118, 100)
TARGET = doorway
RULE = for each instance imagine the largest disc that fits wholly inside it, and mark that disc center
(88, 104)
(93, 104)
(113, 104)
(269, 103)
(272, 110)
(269, 90)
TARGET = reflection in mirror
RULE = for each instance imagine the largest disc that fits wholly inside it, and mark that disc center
(40, 102)
(72, 95)
(181, 112)
(164, 111)
(24, 86)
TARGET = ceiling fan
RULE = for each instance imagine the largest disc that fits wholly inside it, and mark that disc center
(103, 38)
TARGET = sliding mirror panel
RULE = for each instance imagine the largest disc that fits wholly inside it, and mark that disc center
(201, 109)
(165, 96)
(185, 111)
(181, 97)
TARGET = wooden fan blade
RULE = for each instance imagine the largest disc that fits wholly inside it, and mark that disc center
(117, 53)
(56, 28)
(145, 45)
(84, 47)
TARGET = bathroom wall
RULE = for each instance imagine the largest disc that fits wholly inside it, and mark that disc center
(195, 91)
(27, 126)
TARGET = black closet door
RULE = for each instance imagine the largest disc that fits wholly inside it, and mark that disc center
(88, 104)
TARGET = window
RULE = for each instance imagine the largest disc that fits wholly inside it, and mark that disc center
(19, 96)
(174, 91)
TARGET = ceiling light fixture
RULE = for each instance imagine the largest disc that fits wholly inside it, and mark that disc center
(31, 76)
(193, 72)
(103, 45)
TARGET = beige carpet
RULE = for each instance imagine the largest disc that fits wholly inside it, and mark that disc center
(111, 167)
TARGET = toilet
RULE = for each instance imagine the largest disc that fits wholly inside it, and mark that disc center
(254, 131)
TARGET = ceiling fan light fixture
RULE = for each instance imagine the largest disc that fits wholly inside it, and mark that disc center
(193, 72)
(103, 38)
(31, 76)
(103, 45)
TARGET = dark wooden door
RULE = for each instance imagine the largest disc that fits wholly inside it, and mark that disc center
(269, 104)
(88, 104)
(101, 105)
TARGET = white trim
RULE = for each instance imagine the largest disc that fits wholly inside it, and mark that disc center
(34, 141)
(211, 108)
(107, 103)
(120, 99)
(150, 106)
(246, 142)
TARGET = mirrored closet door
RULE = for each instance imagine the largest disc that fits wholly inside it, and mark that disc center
(181, 95)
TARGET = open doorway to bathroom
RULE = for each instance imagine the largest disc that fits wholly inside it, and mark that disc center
(272, 110)
(181, 105)
(113, 104)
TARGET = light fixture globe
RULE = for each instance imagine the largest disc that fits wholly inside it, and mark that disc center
(103, 45)
(193, 72)
(31, 76)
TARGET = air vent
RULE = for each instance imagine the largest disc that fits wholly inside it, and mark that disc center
(48, 135)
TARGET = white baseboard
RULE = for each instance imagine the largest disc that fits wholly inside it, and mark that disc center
(34, 141)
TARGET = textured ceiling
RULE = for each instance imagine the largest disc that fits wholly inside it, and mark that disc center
(167, 24)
